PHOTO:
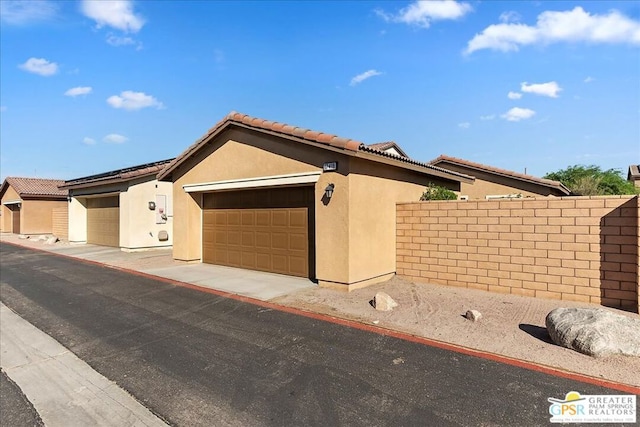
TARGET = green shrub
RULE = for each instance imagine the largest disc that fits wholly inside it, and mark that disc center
(437, 192)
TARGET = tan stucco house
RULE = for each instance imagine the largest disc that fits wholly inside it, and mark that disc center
(126, 208)
(33, 206)
(262, 195)
(634, 175)
(494, 183)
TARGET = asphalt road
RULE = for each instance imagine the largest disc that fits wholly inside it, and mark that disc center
(195, 358)
(15, 409)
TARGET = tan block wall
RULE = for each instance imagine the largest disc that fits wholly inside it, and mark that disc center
(37, 216)
(571, 248)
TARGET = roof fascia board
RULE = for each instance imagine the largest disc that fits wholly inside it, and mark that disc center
(12, 202)
(258, 182)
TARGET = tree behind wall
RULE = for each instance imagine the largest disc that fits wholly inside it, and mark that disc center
(592, 181)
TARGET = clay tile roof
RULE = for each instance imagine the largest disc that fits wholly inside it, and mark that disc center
(35, 187)
(118, 175)
(503, 172)
(302, 135)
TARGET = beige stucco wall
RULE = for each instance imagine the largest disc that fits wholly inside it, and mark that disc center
(374, 190)
(138, 228)
(354, 231)
(9, 195)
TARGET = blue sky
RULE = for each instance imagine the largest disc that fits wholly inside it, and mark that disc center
(91, 86)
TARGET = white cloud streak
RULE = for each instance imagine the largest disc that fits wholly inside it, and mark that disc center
(24, 12)
(514, 95)
(488, 117)
(364, 76)
(464, 125)
(118, 14)
(423, 13)
(39, 66)
(571, 26)
(129, 100)
(88, 141)
(77, 91)
(589, 79)
(516, 114)
(114, 138)
(550, 89)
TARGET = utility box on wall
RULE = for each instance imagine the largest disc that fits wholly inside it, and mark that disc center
(161, 209)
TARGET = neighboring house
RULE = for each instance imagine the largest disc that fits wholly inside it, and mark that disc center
(389, 147)
(494, 183)
(33, 206)
(126, 208)
(634, 175)
(267, 196)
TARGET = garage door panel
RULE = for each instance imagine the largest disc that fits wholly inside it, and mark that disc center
(263, 240)
(263, 219)
(298, 242)
(264, 230)
(103, 221)
(298, 219)
(234, 238)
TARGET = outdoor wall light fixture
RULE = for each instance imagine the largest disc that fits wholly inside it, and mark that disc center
(152, 206)
(328, 192)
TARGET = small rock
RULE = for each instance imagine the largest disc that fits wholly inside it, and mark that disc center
(398, 361)
(383, 302)
(51, 240)
(594, 331)
(22, 236)
(473, 315)
(42, 238)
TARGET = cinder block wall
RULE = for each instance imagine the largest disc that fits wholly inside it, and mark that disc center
(570, 248)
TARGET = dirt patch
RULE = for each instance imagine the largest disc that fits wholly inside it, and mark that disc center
(511, 325)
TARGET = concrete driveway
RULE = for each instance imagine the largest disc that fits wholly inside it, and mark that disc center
(159, 262)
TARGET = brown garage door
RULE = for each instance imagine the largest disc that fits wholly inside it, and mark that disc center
(267, 230)
(103, 221)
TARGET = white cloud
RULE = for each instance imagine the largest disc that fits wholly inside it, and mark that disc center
(514, 95)
(422, 13)
(115, 40)
(516, 114)
(364, 76)
(39, 66)
(510, 16)
(77, 91)
(116, 14)
(464, 125)
(114, 138)
(549, 89)
(554, 27)
(488, 117)
(589, 79)
(22, 12)
(88, 141)
(129, 100)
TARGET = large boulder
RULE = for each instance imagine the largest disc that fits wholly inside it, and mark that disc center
(594, 331)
